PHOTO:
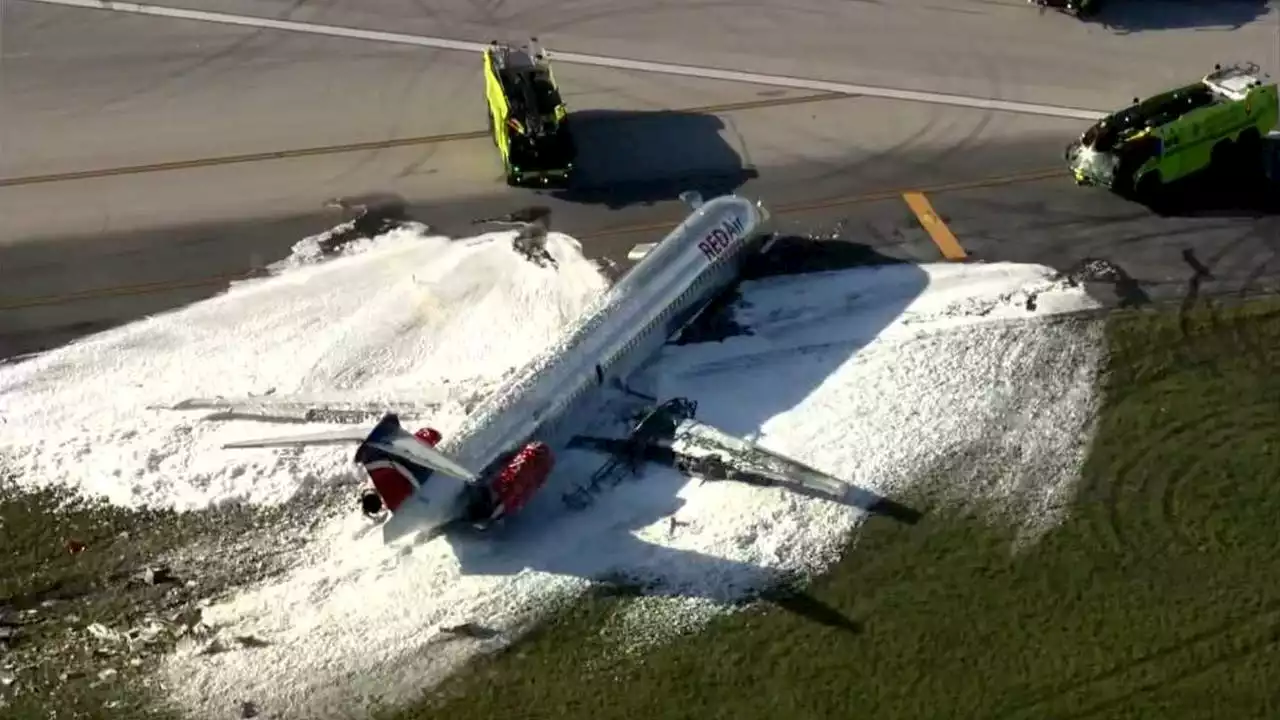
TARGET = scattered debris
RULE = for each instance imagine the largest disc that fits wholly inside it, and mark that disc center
(157, 576)
(102, 632)
(213, 647)
(471, 630)
(250, 641)
(675, 523)
(1128, 290)
(151, 632)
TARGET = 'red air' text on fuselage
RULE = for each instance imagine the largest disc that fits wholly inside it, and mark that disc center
(722, 237)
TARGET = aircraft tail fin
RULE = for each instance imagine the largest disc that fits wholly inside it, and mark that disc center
(399, 462)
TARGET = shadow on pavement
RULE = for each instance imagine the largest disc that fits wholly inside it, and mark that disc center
(629, 157)
(1131, 16)
(1239, 190)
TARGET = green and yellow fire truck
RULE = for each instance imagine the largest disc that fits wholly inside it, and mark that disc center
(528, 119)
(1178, 133)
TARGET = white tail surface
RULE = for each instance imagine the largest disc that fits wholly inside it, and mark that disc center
(332, 437)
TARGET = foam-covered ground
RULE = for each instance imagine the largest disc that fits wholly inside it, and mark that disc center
(408, 317)
(878, 374)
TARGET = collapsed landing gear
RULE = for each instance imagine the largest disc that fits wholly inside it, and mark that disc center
(639, 447)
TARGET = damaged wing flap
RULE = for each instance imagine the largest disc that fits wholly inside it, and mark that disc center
(670, 436)
(748, 462)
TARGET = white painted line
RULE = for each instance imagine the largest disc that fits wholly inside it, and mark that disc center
(794, 83)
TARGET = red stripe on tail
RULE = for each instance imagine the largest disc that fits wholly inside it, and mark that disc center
(392, 481)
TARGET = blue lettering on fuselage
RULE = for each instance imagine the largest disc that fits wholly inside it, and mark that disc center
(722, 237)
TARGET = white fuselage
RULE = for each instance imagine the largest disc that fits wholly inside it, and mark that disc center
(653, 301)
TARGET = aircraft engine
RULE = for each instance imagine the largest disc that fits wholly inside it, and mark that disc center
(429, 435)
(523, 475)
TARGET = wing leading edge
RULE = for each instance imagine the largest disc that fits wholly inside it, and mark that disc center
(670, 436)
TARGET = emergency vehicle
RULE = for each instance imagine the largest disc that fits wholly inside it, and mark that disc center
(526, 115)
(1175, 134)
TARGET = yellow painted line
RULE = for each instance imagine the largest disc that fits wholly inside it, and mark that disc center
(780, 211)
(938, 230)
(374, 144)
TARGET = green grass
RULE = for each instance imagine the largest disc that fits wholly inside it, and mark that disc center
(1158, 597)
(67, 563)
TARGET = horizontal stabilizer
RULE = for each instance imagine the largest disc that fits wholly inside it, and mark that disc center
(390, 437)
(331, 437)
(638, 251)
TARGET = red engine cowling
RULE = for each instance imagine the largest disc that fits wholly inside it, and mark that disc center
(429, 435)
(523, 475)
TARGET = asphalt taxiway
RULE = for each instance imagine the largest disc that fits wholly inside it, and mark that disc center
(145, 161)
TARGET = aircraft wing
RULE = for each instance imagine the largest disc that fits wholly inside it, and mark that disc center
(303, 408)
(704, 450)
(761, 465)
(698, 449)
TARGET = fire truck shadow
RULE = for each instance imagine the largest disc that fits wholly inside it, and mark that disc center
(1130, 16)
(633, 157)
(1245, 188)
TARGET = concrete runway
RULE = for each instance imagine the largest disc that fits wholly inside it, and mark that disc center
(89, 90)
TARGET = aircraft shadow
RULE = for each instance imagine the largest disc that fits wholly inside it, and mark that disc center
(842, 334)
(632, 157)
(601, 543)
(1131, 16)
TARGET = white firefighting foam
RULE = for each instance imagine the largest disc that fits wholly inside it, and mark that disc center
(873, 374)
(411, 319)
(862, 373)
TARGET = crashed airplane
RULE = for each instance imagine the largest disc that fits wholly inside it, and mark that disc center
(503, 453)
